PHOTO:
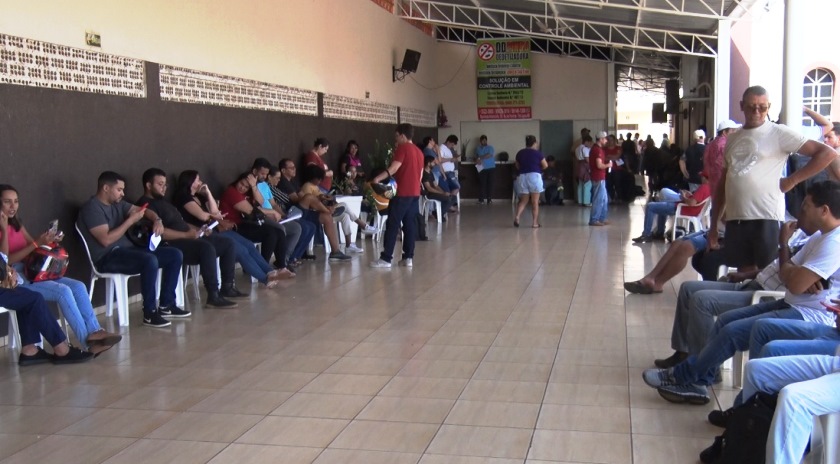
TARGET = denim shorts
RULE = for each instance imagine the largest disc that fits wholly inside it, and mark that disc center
(697, 239)
(531, 182)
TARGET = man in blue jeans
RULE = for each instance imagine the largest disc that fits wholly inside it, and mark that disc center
(407, 167)
(598, 165)
(103, 221)
(811, 276)
(668, 207)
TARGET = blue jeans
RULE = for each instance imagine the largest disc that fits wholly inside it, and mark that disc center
(771, 337)
(661, 210)
(33, 316)
(401, 211)
(73, 301)
(452, 180)
(600, 202)
(307, 231)
(136, 260)
(807, 387)
(248, 257)
(730, 335)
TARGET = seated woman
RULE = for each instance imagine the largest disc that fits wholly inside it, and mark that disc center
(70, 295)
(34, 319)
(312, 176)
(198, 207)
(351, 160)
(236, 205)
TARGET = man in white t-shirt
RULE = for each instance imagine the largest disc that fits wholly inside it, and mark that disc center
(448, 158)
(811, 277)
(753, 189)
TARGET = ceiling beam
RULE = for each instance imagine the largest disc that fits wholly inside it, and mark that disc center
(586, 32)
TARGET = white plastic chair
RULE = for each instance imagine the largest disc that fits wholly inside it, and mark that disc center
(740, 358)
(825, 440)
(381, 219)
(194, 271)
(428, 204)
(14, 332)
(696, 221)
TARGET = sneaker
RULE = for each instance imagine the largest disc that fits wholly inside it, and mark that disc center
(174, 311)
(230, 291)
(40, 357)
(155, 320)
(369, 230)
(670, 361)
(643, 239)
(407, 262)
(339, 210)
(215, 300)
(720, 418)
(308, 257)
(712, 453)
(688, 393)
(74, 356)
(659, 377)
(339, 256)
(380, 263)
(353, 249)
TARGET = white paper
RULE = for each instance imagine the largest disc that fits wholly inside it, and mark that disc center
(479, 165)
(293, 217)
(154, 240)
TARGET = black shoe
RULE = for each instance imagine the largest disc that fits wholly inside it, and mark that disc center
(710, 454)
(339, 210)
(670, 361)
(230, 291)
(156, 320)
(308, 257)
(658, 237)
(217, 301)
(643, 239)
(74, 356)
(173, 311)
(720, 418)
(40, 357)
(423, 239)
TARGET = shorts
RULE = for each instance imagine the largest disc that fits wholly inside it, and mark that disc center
(697, 239)
(531, 182)
(752, 243)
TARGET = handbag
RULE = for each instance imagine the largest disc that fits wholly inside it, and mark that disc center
(256, 216)
(8, 277)
(47, 262)
(583, 171)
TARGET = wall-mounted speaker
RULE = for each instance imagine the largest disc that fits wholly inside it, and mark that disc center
(672, 96)
(410, 60)
(657, 114)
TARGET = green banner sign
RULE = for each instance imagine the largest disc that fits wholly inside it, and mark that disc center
(503, 71)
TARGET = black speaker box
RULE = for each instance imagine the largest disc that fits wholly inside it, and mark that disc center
(410, 60)
(657, 114)
(672, 96)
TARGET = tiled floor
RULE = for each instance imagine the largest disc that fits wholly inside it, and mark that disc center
(500, 346)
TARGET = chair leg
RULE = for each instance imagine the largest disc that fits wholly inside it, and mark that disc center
(109, 297)
(14, 331)
(738, 362)
(122, 299)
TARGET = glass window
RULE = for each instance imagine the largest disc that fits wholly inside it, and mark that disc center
(817, 91)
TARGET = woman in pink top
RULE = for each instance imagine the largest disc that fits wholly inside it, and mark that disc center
(70, 295)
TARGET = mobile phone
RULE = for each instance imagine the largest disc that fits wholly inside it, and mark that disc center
(826, 284)
(144, 206)
(52, 227)
(212, 225)
(829, 307)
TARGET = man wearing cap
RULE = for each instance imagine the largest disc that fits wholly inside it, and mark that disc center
(752, 188)
(691, 162)
(713, 157)
(598, 165)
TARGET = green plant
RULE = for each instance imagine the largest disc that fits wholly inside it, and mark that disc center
(381, 157)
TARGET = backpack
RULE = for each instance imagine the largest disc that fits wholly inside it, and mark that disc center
(745, 437)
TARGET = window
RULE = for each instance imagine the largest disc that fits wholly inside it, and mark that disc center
(817, 91)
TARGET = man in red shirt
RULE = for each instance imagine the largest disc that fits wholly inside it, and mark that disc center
(316, 157)
(406, 168)
(598, 165)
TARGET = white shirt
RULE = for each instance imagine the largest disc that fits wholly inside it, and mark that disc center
(445, 152)
(820, 256)
(582, 152)
(754, 160)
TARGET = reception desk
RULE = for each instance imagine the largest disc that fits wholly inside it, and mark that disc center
(502, 180)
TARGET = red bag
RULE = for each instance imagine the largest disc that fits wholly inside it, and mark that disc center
(47, 262)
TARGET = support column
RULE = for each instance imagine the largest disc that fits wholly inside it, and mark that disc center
(792, 75)
(611, 98)
(723, 83)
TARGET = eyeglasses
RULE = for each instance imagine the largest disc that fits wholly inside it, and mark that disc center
(759, 108)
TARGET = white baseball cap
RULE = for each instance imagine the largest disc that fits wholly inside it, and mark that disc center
(728, 124)
(602, 135)
(699, 134)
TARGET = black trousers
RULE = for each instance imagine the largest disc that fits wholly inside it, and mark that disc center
(273, 241)
(485, 179)
(204, 252)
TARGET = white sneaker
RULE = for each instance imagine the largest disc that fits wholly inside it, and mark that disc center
(380, 263)
(353, 249)
(407, 262)
(369, 230)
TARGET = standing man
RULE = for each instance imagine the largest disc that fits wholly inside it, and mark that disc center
(691, 162)
(713, 156)
(752, 190)
(485, 156)
(316, 157)
(103, 221)
(630, 153)
(406, 168)
(598, 166)
(448, 157)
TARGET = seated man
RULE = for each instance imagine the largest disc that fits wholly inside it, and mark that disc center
(816, 262)
(312, 208)
(699, 303)
(264, 200)
(668, 207)
(447, 159)
(280, 203)
(807, 387)
(553, 183)
(198, 245)
(312, 177)
(35, 319)
(103, 221)
(430, 188)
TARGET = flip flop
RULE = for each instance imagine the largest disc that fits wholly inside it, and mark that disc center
(638, 288)
(537, 226)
